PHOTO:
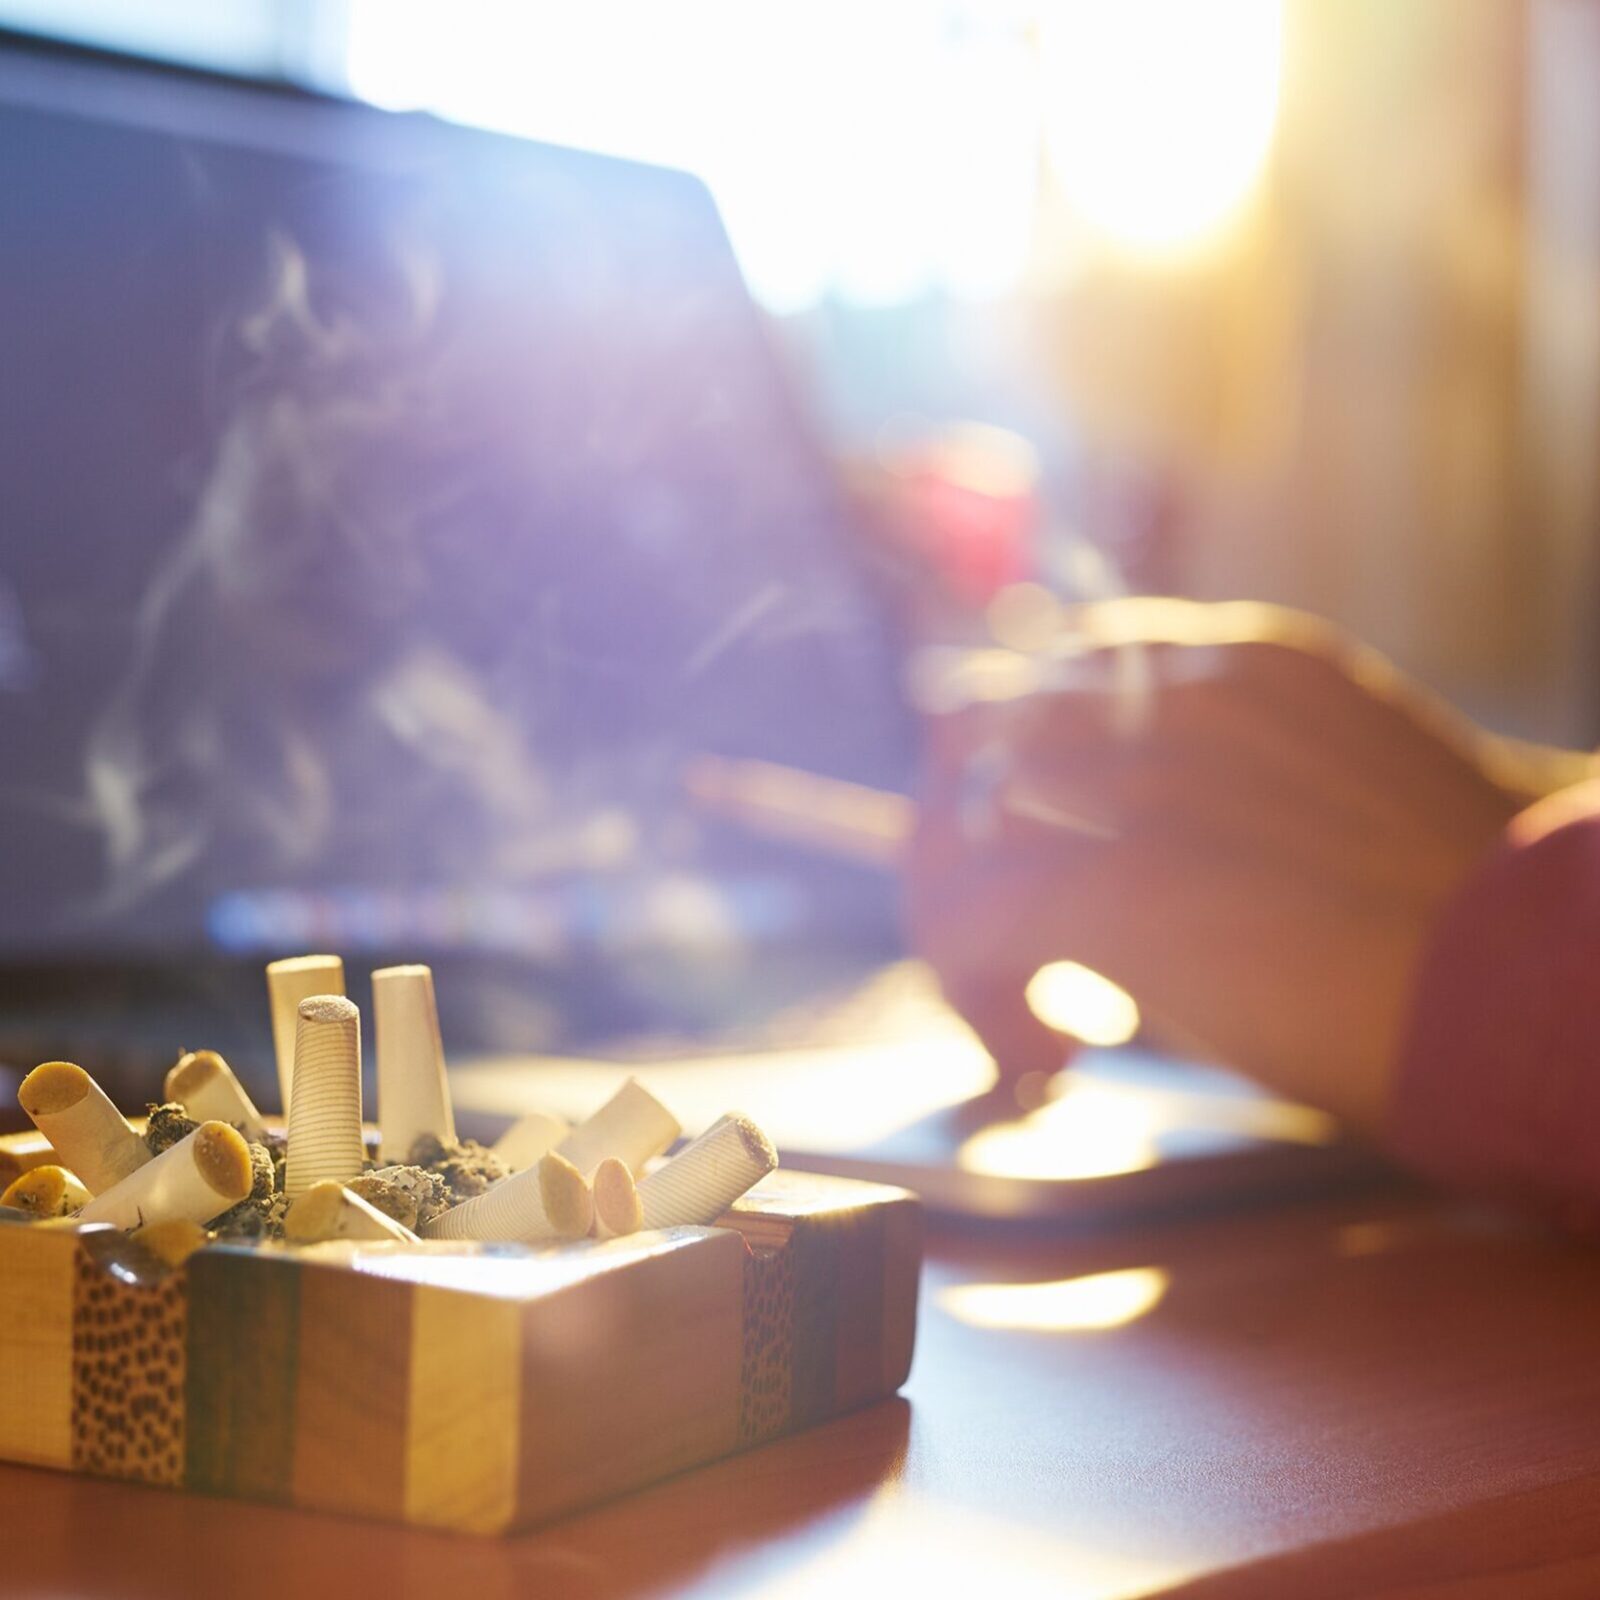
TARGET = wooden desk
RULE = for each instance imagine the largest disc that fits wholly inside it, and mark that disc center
(1371, 1396)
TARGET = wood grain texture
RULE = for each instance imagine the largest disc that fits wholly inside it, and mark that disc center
(633, 1374)
(465, 1414)
(244, 1325)
(767, 1365)
(38, 1268)
(352, 1384)
(848, 1261)
(129, 1360)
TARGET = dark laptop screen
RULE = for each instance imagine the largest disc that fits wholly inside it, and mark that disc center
(387, 512)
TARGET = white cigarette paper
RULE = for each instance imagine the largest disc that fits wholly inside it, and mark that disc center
(549, 1201)
(89, 1134)
(325, 1109)
(205, 1086)
(413, 1093)
(529, 1138)
(698, 1184)
(632, 1125)
(46, 1192)
(616, 1200)
(288, 983)
(196, 1179)
(330, 1211)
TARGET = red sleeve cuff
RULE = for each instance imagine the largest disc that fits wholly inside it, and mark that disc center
(1498, 1089)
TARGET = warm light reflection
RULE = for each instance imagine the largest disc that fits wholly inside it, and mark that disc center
(909, 1541)
(1100, 1128)
(1071, 1305)
(1072, 999)
(1160, 113)
(1095, 1130)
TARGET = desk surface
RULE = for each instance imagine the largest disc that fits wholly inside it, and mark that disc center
(1367, 1396)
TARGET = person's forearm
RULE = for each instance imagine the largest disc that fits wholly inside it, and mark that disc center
(1498, 1088)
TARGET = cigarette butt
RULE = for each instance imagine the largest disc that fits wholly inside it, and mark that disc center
(288, 983)
(698, 1184)
(328, 1210)
(413, 1092)
(205, 1086)
(529, 1138)
(90, 1135)
(46, 1192)
(616, 1200)
(549, 1201)
(632, 1125)
(194, 1180)
(173, 1240)
(325, 1109)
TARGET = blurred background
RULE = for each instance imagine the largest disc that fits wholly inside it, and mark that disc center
(1293, 299)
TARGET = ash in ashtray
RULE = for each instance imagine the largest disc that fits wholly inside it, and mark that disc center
(206, 1167)
(412, 1195)
(467, 1167)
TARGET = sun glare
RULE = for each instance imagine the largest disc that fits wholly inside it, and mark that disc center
(1160, 113)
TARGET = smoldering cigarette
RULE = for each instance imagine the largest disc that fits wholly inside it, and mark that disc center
(90, 1135)
(616, 1200)
(698, 1184)
(528, 1138)
(547, 1202)
(328, 1210)
(632, 1125)
(46, 1192)
(173, 1239)
(325, 1108)
(289, 982)
(828, 814)
(205, 1086)
(413, 1092)
(194, 1180)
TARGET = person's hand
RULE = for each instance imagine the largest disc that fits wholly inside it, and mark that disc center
(1237, 814)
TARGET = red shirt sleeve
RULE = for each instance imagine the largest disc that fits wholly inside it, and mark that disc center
(1498, 1088)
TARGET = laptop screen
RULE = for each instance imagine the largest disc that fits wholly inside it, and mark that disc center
(388, 512)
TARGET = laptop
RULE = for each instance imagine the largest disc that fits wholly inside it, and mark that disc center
(391, 513)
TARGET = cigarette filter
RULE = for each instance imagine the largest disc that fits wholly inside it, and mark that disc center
(288, 983)
(699, 1183)
(46, 1192)
(528, 1138)
(328, 1210)
(413, 1094)
(632, 1125)
(616, 1200)
(194, 1180)
(173, 1240)
(89, 1134)
(205, 1086)
(549, 1201)
(325, 1108)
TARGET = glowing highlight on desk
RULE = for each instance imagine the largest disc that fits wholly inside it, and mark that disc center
(1095, 1130)
(1088, 1304)
(1073, 999)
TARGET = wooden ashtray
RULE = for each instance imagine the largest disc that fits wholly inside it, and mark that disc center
(479, 1387)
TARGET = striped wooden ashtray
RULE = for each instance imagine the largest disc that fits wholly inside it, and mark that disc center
(478, 1387)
